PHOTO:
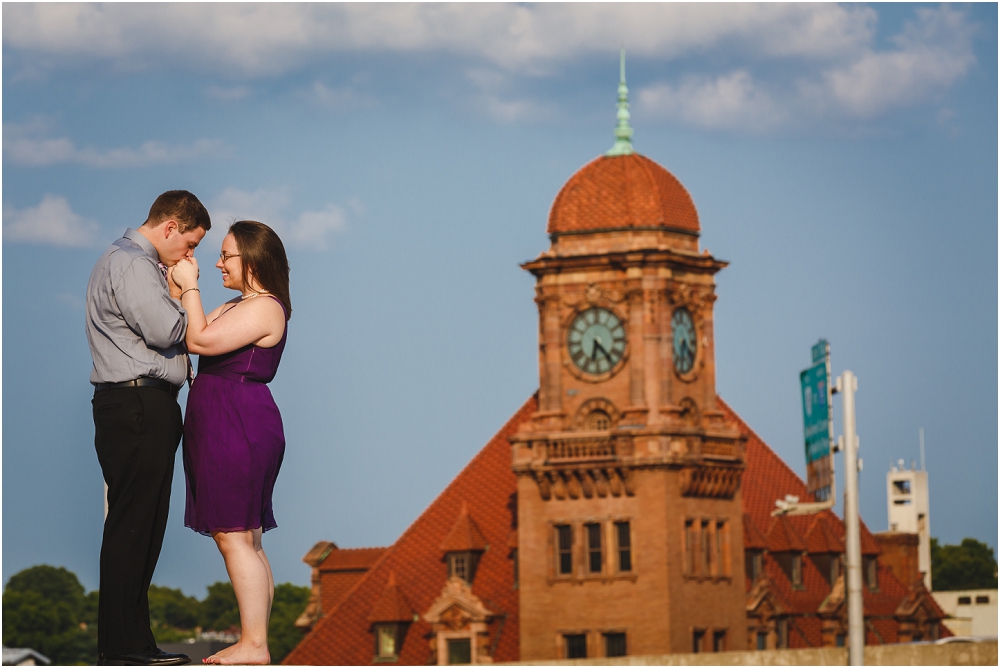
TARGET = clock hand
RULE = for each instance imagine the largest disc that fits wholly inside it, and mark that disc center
(605, 352)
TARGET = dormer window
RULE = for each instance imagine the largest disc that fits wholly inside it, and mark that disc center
(390, 619)
(459, 621)
(754, 564)
(463, 547)
(828, 565)
(786, 547)
(791, 564)
(459, 651)
(386, 641)
(462, 565)
(871, 573)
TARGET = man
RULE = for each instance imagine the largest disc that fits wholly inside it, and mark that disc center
(136, 327)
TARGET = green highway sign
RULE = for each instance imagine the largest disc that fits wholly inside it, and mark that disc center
(816, 410)
(817, 417)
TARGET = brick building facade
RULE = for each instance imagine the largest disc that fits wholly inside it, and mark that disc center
(625, 508)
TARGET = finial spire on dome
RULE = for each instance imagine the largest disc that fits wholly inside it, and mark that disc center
(623, 132)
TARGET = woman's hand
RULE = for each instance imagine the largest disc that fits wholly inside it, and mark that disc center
(185, 274)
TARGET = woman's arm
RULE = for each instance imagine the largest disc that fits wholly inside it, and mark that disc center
(260, 320)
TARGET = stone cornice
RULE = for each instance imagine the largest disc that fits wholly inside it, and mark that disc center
(549, 264)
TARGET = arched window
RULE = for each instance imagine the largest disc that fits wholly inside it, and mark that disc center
(599, 420)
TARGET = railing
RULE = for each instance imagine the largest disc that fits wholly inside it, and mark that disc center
(578, 449)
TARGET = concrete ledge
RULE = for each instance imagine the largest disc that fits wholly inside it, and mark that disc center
(950, 654)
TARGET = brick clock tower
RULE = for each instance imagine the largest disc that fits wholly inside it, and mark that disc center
(629, 535)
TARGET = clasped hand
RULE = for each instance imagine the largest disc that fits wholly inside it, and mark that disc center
(183, 276)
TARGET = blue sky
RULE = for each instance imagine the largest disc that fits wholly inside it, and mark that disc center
(843, 158)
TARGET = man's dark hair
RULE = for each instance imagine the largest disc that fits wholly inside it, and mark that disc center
(183, 207)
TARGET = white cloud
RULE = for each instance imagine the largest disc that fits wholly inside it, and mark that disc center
(52, 222)
(729, 101)
(499, 98)
(25, 144)
(764, 66)
(270, 38)
(928, 56)
(932, 54)
(309, 229)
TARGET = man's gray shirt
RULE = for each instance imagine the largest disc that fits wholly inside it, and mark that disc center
(133, 326)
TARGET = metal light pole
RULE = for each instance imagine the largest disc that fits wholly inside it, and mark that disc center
(847, 385)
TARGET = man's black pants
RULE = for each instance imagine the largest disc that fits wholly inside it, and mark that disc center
(137, 431)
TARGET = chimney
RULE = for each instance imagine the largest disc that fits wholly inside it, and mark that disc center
(900, 553)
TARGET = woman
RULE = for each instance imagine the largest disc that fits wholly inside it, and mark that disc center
(233, 437)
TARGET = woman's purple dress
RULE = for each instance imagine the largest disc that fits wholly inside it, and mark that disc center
(233, 441)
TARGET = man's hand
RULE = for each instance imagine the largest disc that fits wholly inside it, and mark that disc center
(183, 275)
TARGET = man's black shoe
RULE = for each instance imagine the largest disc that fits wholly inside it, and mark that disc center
(145, 657)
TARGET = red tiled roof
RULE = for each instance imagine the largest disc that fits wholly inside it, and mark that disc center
(392, 606)
(781, 537)
(621, 192)
(868, 543)
(351, 559)
(805, 632)
(804, 599)
(413, 569)
(767, 478)
(752, 537)
(822, 538)
(487, 483)
(465, 536)
(334, 587)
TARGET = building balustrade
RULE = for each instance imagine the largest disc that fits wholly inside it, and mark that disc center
(580, 449)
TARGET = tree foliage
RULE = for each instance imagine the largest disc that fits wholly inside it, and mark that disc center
(282, 636)
(44, 608)
(47, 609)
(170, 607)
(219, 610)
(173, 617)
(970, 565)
(54, 584)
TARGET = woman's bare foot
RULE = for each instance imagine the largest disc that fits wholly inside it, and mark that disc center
(222, 653)
(241, 654)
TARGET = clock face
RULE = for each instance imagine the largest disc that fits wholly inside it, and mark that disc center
(685, 340)
(596, 341)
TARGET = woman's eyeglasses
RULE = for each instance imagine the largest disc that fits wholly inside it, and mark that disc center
(225, 256)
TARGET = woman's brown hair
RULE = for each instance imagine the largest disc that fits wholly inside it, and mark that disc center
(263, 255)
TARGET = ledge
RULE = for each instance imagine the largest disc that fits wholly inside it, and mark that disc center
(910, 654)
